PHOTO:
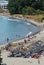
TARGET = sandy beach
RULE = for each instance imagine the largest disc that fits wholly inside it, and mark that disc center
(25, 61)
(39, 35)
(20, 61)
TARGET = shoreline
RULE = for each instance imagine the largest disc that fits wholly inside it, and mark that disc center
(21, 17)
(27, 21)
(28, 61)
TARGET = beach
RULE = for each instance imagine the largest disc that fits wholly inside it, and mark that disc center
(20, 60)
(39, 34)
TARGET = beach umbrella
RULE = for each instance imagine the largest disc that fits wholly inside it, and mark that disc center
(36, 56)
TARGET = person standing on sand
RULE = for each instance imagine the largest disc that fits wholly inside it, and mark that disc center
(38, 61)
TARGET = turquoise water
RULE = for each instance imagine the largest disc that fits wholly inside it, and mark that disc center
(15, 29)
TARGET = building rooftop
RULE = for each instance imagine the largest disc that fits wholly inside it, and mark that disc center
(3, 2)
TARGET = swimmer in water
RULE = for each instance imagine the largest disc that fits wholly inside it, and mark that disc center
(17, 35)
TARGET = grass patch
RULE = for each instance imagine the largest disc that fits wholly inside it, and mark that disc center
(38, 18)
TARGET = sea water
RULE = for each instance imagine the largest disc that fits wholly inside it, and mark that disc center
(15, 29)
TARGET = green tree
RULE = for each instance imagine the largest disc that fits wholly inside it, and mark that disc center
(17, 6)
(28, 10)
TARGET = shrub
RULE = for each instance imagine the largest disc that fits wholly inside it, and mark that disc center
(39, 11)
(42, 19)
(0, 61)
(1, 10)
(28, 10)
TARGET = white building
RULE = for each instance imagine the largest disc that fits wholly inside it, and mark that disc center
(3, 4)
